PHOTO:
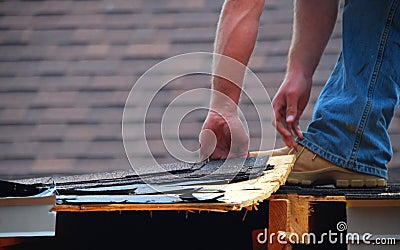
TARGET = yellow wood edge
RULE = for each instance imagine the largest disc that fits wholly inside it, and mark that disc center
(212, 207)
(311, 198)
(11, 241)
(373, 203)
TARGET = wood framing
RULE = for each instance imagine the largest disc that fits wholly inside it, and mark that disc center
(10, 241)
(279, 217)
(290, 213)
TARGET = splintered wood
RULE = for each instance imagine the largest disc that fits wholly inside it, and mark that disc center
(251, 192)
(236, 196)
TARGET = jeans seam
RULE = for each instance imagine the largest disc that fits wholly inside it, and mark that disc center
(373, 80)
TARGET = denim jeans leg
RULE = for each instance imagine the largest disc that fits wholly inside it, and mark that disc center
(357, 104)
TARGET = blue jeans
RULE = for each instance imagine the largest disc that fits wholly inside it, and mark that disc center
(357, 104)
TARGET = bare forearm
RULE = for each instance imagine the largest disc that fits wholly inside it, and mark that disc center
(236, 37)
(314, 21)
(313, 24)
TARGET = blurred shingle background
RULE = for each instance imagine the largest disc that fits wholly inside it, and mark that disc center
(66, 69)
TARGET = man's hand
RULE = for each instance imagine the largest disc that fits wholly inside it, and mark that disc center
(313, 25)
(289, 104)
(223, 136)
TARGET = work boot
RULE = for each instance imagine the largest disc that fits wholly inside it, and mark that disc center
(311, 169)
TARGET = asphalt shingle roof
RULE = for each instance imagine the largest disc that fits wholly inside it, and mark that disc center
(66, 69)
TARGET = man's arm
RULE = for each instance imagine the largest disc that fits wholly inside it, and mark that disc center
(314, 21)
(236, 36)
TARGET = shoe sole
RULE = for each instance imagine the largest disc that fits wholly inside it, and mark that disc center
(340, 177)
